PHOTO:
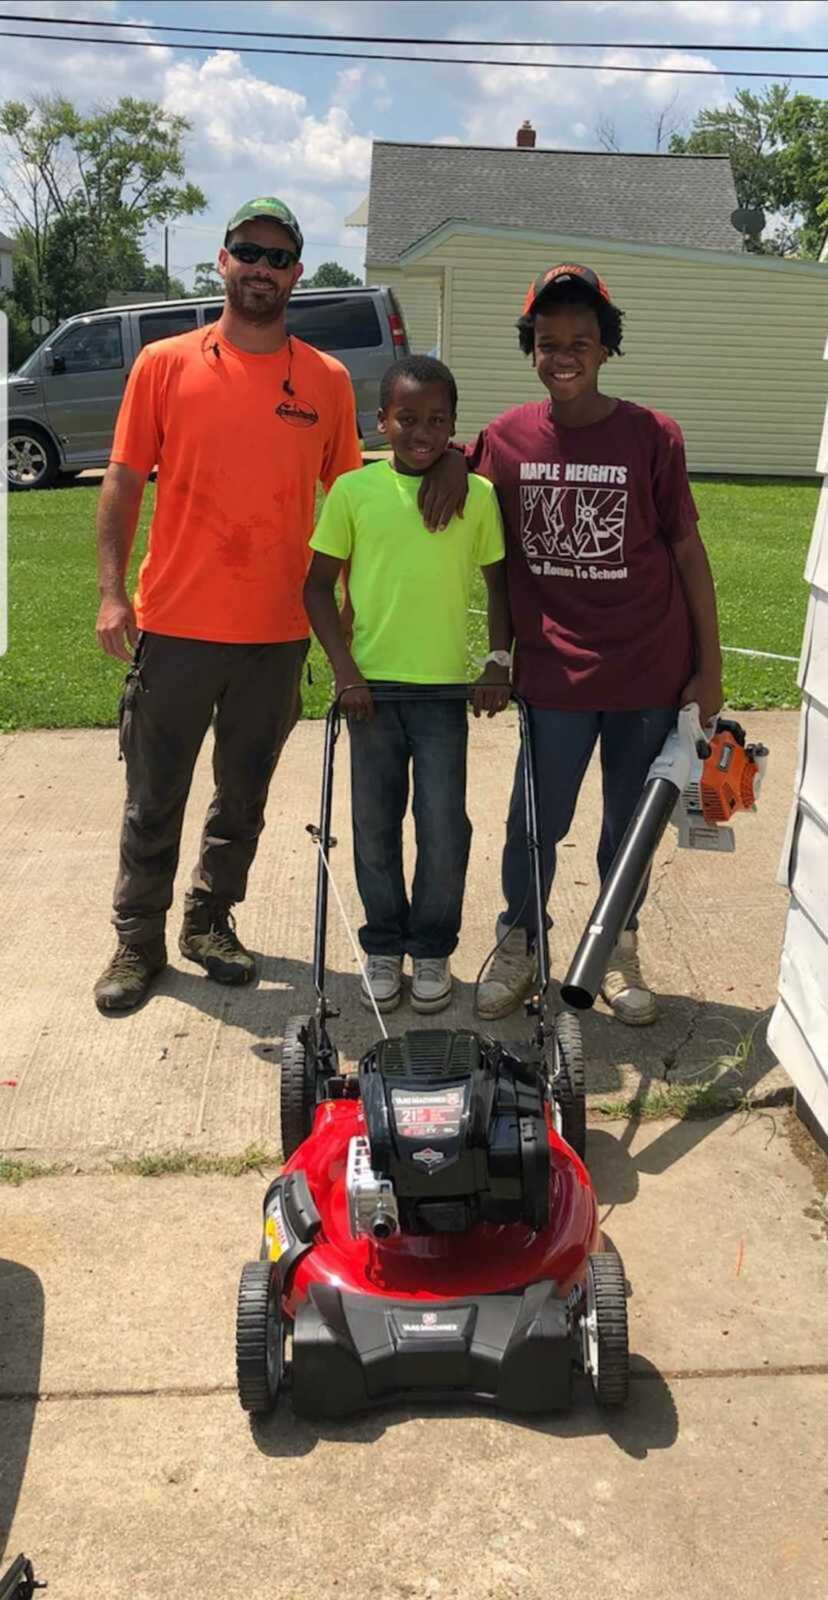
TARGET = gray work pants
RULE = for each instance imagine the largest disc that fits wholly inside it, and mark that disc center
(173, 691)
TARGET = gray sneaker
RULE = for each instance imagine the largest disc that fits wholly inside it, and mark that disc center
(208, 936)
(127, 979)
(431, 985)
(384, 975)
(509, 976)
(626, 992)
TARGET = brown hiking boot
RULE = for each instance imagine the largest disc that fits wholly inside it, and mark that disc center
(126, 981)
(208, 936)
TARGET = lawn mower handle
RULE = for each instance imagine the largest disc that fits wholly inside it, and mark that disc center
(19, 1581)
(392, 693)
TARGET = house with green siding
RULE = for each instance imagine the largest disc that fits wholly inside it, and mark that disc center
(728, 342)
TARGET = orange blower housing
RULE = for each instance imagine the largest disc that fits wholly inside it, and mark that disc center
(732, 773)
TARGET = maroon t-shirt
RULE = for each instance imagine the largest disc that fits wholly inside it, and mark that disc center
(601, 622)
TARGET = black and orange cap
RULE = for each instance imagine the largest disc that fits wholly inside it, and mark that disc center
(555, 276)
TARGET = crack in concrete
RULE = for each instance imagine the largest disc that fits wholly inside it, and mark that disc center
(670, 1061)
(196, 1391)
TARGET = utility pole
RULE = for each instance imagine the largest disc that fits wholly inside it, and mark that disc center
(166, 261)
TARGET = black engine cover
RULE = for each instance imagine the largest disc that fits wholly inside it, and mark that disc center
(459, 1128)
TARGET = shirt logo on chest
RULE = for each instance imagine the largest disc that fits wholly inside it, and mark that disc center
(573, 524)
(298, 413)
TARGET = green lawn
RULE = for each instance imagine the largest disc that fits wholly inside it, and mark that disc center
(54, 675)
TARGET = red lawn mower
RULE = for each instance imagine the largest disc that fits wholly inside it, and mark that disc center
(434, 1234)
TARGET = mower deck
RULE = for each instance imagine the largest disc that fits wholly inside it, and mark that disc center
(354, 1351)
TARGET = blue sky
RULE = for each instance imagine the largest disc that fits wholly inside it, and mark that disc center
(303, 129)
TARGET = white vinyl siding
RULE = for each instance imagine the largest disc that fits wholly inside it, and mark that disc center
(727, 344)
(798, 1032)
(419, 300)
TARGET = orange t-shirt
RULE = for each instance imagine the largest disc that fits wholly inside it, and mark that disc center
(238, 463)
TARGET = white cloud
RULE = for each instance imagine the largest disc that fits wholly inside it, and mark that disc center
(799, 16)
(564, 107)
(240, 121)
(349, 84)
(82, 72)
(732, 20)
(702, 15)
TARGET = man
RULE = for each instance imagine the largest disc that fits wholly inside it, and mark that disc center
(242, 421)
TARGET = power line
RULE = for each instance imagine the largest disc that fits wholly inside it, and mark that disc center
(439, 61)
(399, 38)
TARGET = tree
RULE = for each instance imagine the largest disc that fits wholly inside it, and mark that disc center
(155, 281)
(207, 279)
(778, 148)
(803, 167)
(332, 276)
(663, 124)
(81, 192)
(22, 341)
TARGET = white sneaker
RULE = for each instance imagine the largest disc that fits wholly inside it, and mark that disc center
(431, 985)
(384, 975)
(623, 987)
(510, 975)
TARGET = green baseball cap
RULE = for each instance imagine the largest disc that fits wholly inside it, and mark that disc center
(272, 210)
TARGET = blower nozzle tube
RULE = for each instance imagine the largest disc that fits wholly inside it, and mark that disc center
(619, 893)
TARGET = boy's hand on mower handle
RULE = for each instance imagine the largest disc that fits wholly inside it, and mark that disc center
(491, 691)
(443, 490)
(357, 702)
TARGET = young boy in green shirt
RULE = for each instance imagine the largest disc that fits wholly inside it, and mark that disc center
(410, 593)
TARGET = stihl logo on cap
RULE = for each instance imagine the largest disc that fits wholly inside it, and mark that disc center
(568, 270)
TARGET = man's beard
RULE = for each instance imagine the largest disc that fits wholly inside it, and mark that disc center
(256, 307)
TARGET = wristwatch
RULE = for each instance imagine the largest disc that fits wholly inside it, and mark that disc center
(498, 658)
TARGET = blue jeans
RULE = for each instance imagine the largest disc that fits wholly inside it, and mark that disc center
(563, 743)
(432, 738)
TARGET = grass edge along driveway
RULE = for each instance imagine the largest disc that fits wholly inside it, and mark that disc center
(54, 675)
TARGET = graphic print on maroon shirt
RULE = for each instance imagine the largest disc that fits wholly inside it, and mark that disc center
(564, 523)
(601, 622)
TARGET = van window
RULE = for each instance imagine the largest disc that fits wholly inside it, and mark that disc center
(163, 324)
(212, 313)
(346, 324)
(90, 347)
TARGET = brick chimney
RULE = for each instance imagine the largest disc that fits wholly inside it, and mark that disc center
(526, 137)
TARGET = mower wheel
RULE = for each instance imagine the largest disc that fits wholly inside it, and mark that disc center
(568, 1081)
(259, 1340)
(604, 1327)
(297, 1092)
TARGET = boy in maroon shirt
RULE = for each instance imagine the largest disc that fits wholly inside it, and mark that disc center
(612, 601)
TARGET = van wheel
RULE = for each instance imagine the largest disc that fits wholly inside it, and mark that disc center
(32, 460)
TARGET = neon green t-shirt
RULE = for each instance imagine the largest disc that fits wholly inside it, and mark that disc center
(409, 588)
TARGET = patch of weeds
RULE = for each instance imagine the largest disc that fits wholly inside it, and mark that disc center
(17, 1172)
(682, 1101)
(184, 1163)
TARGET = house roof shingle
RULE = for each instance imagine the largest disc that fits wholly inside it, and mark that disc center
(651, 199)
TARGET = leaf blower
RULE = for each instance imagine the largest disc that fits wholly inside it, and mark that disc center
(700, 779)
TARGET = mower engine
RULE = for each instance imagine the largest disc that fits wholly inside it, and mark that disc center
(456, 1134)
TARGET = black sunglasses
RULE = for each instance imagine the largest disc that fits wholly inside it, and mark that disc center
(251, 253)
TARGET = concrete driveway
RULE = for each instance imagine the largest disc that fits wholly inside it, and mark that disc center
(130, 1471)
(127, 1469)
(194, 1069)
